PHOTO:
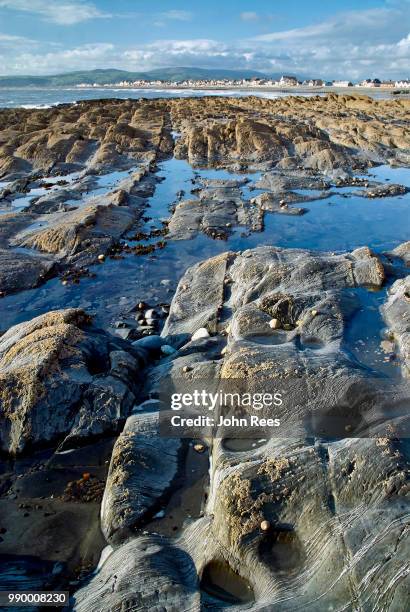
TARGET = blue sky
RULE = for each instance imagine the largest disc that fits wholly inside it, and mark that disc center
(341, 38)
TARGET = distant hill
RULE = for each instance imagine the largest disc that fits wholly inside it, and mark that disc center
(111, 75)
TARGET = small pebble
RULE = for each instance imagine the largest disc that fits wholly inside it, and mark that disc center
(200, 333)
(160, 514)
(167, 349)
(151, 313)
(274, 324)
(265, 525)
(101, 257)
(387, 346)
(199, 448)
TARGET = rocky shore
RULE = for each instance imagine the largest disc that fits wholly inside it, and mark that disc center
(294, 143)
(315, 518)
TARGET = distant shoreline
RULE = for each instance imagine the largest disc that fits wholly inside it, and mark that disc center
(300, 88)
(284, 90)
(271, 89)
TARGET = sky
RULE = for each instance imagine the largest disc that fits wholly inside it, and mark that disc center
(314, 38)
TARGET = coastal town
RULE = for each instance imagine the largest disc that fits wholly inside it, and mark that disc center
(256, 82)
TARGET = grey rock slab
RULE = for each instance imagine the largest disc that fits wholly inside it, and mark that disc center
(403, 252)
(19, 271)
(62, 379)
(198, 298)
(186, 220)
(143, 467)
(336, 509)
(397, 314)
(147, 573)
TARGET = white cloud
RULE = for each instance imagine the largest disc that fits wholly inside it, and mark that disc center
(352, 26)
(354, 45)
(197, 46)
(8, 39)
(164, 53)
(98, 55)
(162, 19)
(61, 12)
(249, 16)
(175, 15)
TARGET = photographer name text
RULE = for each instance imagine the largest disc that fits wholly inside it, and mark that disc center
(224, 421)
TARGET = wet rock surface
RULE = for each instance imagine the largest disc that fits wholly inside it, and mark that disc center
(304, 521)
(274, 505)
(109, 133)
(143, 467)
(60, 202)
(385, 191)
(60, 379)
(20, 271)
(318, 133)
(397, 314)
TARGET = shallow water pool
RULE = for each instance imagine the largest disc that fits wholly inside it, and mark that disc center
(333, 224)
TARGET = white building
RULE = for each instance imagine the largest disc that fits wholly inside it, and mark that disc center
(314, 83)
(288, 80)
(370, 83)
(342, 84)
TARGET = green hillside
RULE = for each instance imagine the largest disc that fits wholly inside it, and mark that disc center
(111, 75)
